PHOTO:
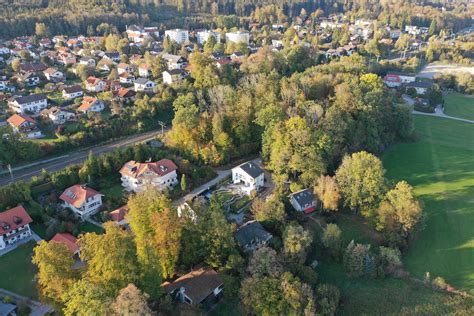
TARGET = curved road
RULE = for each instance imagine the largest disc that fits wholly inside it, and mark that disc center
(75, 157)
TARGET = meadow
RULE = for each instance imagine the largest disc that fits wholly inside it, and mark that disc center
(440, 167)
(459, 105)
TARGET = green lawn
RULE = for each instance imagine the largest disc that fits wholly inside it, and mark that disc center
(90, 228)
(459, 105)
(17, 271)
(440, 167)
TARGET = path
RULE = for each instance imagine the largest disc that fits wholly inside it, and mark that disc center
(37, 308)
(94, 222)
(439, 111)
(54, 164)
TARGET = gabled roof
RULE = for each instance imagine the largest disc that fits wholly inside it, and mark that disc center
(197, 284)
(93, 80)
(19, 119)
(77, 195)
(142, 81)
(50, 71)
(87, 103)
(136, 169)
(118, 215)
(420, 84)
(72, 89)
(69, 240)
(30, 98)
(251, 168)
(251, 231)
(13, 218)
(33, 67)
(304, 197)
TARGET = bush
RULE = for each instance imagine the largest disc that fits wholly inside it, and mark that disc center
(328, 299)
(439, 283)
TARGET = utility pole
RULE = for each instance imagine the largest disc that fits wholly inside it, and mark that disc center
(163, 125)
(10, 169)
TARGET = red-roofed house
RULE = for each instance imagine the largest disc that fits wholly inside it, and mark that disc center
(69, 240)
(94, 84)
(118, 215)
(91, 104)
(24, 125)
(14, 226)
(82, 200)
(161, 174)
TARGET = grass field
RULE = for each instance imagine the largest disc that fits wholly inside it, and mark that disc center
(459, 105)
(440, 167)
(17, 271)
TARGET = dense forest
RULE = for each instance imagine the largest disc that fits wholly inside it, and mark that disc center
(80, 16)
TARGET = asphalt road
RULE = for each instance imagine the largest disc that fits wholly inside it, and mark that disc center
(76, 158)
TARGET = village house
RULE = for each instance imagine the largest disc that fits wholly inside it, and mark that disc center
(118, 216)
(82, 200)
(161, 174)
(174, 61)
(14, 226)
(250, 176)
(251, 236)
(91, 104)
(105, 65)
(197, 287)
(126, 78)
(72, 92)
(421, 87)
(69, 241)
(144, 85)
(138, 35)
(88, 62)
(53, 75)
(123, 67)
(4, 50)
(28, 79)
(33, 68)
(32, 103)
(304, 201)
(112, 56)
(144, 70)
(173, 76)
(67, 59)
(94, 84)
(57, 115)
(74, 43)
(396, 79)
(25, 126)
(124, 95)
(180, 36)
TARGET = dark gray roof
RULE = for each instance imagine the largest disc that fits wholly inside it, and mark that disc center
(251, 169)
(30, 98)
(175, 71)
(141, 80)
(420, 84)
(304, 197)
(73, 89)
(251, 231)
(406, 74)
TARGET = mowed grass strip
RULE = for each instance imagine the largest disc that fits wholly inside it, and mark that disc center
(459, 105)
(17, 271)
(440, 167)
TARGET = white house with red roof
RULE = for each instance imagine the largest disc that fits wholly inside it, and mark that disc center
(14, 226)
(24, 125)
(161, 174)
(91, 104)
(118, 216)
(94, 84)
(83, 200)
(68, 240)
(396, 79)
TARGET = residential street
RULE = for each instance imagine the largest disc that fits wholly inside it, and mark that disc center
(75, 158)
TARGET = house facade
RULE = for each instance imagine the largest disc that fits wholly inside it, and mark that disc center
(173, 76)
(180, 36)
(250, 176)
(203, 36)
(304, 201)
(237, 37)
(94, 84)
(82, 200)
(137, 176)
(144, 85)
(91, 104)
(72, 92)
(32, 103)
(14, 226)
(57, 115)
(25, 126)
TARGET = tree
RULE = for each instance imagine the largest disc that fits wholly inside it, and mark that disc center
(167, 231)
(41, 30)
(142, 206)
(296, 241)
(263, 296)
(131, 301)
(110, 258)
(205, 72)
(327, 191)
(184, 185)
(399, 211)
(16, 65)
(265, 262)
(55, 274)
(332, 238)
(358, 259)
(361, 181)
(270, 212)
(86, 298)
(433, 27)
(328, 299)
